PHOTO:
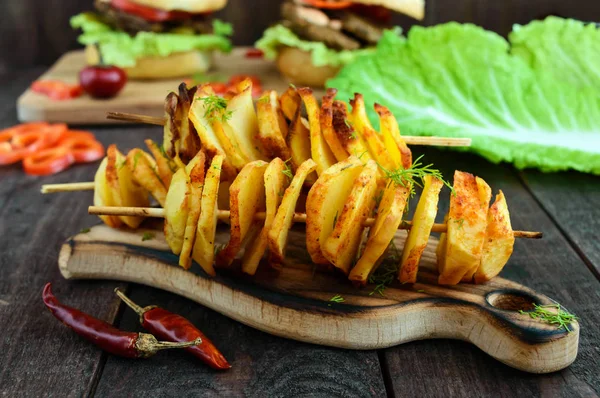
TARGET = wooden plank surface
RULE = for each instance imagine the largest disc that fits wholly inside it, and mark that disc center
(573, 201)
(144, 97)
(549, 265)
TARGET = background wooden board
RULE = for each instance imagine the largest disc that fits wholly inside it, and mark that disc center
(40, 357)
(144, 97)
(42, 33)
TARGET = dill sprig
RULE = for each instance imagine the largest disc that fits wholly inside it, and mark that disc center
(216, 108)
(387, 272)
(147, 236)
(337, 299)
(335, 218)
(553, 314)
(288, 170)
(414, 175)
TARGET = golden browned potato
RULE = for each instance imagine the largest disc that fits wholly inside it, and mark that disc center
(195, 172)
(272, 126)
(418, 235)
(467, 220)
(275, 184)
(499, 241)
(320, 152)
(290, 103)
(143, 168)
(102, 195)
(368, 135)
(397, 148)
(204, 244)
(165, 166)
(123, 189)
(327, 128)
(247, 197)
(242, 125)
(298, 140)
(177, 210)
(389, 217)
(206, 108)
(282, 222)
(346, 134)
(325, 202)
(341, 245)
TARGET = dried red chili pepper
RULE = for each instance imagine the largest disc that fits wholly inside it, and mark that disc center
(173, 327)
(106, 336)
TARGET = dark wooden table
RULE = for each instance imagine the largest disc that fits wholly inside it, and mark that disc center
(40, 357)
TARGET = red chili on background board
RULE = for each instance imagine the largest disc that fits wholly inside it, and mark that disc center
(173, 327)
(105, 335)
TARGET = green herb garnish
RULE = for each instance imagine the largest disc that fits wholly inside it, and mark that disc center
(147, 236)
(335, 219)
(553, 314)
(414, 175)
(84, 231)
(288, 171)
(337, 299)
(386, 273)
(216, 108)
(136, 157)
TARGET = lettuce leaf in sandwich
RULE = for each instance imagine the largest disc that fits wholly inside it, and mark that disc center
(120, 49)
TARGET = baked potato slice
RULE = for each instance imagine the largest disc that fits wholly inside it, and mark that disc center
(499, 241)
(282, 222)
(368, 135)
(341, 245)
(177, 210)
(325, 202)
(165, 166)
(418, 236)
(290, 103)
(144, 170)
(195, 173)
(242, 124)
(203, 251)
(246, 198)
(206, 108)
(272, 126)
(102, 195)
(329, 134)
(467, 220)
(389, 217)
(399, 152)
(346, 134)
(275, 184)
(123, 188)
(320, 152)
(298, 140)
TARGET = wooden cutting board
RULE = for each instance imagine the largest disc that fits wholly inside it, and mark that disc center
(141, 96)
(296, 302)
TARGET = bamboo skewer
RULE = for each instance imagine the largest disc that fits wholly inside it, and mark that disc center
(70, 187)
(410, 140)
(223, 215)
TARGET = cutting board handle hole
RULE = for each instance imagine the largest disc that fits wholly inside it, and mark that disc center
(511, 300)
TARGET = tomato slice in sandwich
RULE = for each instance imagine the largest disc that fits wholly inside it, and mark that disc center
(149, 13)
(330, 5)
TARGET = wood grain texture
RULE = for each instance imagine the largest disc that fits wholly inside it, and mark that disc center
(573, 201)
(42, 33)
(138, 97)
(31, 227)
(295, 303)
(549, 266)
(263, 365)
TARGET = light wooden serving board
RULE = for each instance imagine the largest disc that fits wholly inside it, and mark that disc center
(295, 303)
(139, 96)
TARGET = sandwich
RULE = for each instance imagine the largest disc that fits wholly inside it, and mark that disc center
(154, 39)
(317, 37)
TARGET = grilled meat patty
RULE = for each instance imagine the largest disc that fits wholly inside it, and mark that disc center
(338, 29)
(132, 24)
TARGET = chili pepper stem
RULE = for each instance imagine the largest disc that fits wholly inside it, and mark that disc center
(148, 345)
(138, 309)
